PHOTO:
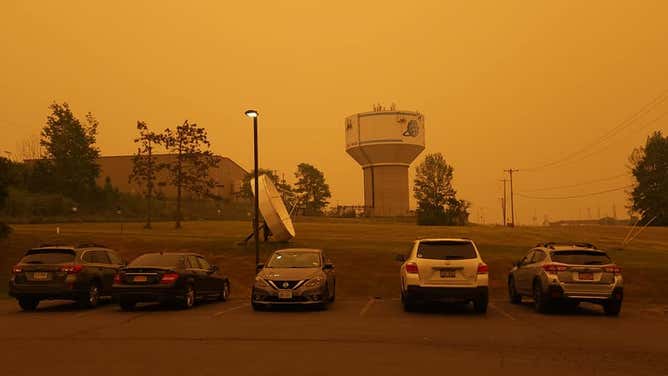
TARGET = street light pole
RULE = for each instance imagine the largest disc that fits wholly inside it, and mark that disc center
(256, 215)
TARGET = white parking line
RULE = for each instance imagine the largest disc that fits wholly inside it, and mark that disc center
(506, 314)
(230, 310)
(367, 306)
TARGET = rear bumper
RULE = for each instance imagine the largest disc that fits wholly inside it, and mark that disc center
(46, 291)
(446, 294)
(565, 292)
(147, 293)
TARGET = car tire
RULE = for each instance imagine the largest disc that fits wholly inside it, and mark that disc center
(256, 306)
(408, 303)
(188, 300)
(92, 297)
(612, 307)
(28, 304)
(333, 297)
(480, 304)
(127, 304)
(513, 296)
(225, 294)
(541, 302)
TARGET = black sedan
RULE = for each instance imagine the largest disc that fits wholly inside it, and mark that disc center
(179, 278)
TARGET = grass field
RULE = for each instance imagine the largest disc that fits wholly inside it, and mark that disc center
(363, 250)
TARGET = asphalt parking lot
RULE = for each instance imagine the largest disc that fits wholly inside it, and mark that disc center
(355, 336)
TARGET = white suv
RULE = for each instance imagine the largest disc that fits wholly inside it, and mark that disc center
(446, 270)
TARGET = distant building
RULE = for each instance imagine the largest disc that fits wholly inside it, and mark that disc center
(228, 176)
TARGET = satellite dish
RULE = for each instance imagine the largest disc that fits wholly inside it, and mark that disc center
(273, 209)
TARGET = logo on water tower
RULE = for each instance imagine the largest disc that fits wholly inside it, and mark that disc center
(412, 129)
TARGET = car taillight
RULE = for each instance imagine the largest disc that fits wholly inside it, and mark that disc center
(483, 269)
(71, 269)
(613, 269)
(554, 268)
(412, 268)
(117, 278)
(17, 269)
(168, 278)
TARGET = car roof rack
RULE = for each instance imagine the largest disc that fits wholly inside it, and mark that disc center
(45, 245)
(571, 244)
(91, 245)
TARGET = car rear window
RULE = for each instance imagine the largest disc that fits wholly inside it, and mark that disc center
(48, 256)
(157, 259)
(581, 257)
(446, 250)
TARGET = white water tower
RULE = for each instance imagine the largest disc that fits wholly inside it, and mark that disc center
(385, 143)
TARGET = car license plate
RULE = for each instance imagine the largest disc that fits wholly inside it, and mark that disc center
(285, 294)
(586, 276)
(40, 276)
(140, 278)
(447, 273)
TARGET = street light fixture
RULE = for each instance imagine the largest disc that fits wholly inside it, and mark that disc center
(256, 219)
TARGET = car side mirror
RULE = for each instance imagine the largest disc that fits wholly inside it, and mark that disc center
(213, 268)
(259, 267)
(328, 266)
(400, 258)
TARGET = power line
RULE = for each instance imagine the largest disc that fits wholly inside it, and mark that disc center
(577, 184)
(574, 196)
(605, 147)
(662, 97)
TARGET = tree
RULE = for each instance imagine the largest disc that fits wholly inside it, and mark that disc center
(5, 180)
(649, 166)
(311, 189)
(436, 198)
(192, 161)
(144, 166)
(69, 149)
(283, 187)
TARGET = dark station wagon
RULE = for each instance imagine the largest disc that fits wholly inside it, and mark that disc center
(83, 273)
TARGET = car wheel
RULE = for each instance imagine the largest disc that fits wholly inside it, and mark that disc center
(92, 297)
(541, 302)
(28, 304)
(333, 297)
(256, 306)
(408, 303)
(188, 300)
(127, 304)
(480, 304)
(612, 307)
(225, 294)
(513, 296)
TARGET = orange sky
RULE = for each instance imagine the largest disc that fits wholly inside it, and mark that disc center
(501, 84)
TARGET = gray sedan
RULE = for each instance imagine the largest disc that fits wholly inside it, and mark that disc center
(298, 276)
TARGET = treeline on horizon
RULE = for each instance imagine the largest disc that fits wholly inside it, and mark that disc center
(56, 181)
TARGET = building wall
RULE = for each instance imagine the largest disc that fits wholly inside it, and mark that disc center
(228, 176)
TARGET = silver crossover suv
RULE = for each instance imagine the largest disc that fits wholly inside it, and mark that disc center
(569, 273)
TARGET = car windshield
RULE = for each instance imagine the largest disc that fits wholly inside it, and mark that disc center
(48, 256)
(158, 259)
(446, 250)
(581, 257)
(294, 260)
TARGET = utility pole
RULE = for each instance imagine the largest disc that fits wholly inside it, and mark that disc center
(504, 201)
(512, 199)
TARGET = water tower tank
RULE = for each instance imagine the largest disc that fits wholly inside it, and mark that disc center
(385, 143)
